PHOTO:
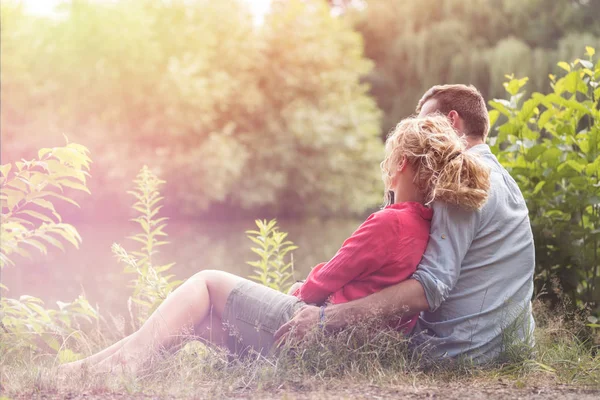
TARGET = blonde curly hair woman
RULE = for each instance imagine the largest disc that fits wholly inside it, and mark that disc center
(425, 162)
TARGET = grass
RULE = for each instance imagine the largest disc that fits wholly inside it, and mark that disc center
(355, 360)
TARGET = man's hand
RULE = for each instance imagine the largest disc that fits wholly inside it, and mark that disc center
(305, 321)
(408, 296)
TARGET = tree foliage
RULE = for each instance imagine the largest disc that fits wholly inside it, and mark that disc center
(551, 146)
(416, 44)
(230, 111)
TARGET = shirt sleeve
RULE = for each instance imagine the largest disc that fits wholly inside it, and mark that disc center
(452, 232)
(369, 248)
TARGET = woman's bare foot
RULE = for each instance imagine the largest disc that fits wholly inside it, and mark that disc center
(72, 367)
(119, 363)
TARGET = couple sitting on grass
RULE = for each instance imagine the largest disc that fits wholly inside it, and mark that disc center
(449, 260)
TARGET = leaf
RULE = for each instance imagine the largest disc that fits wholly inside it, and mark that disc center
(73, 185)
(546, 117)
(540, 185)
(514, 85)
(43, 152)
(163, 268)
(82, 149)
(564, 66)
(70, 156)
(69, 236)
(586, 64)
(590, 51)
(37, 244)
(27, 298)
(138, 239)
(47, 205)
(493, 115)
(53, 241)
(61, 197)
(5, 169)
(575, 165)
(37, 215)
(13, 197)
(501, 108)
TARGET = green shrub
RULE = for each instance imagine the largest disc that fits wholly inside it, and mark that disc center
(551, 146)
(29, 220)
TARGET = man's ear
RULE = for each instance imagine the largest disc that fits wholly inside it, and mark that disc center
(454, 119)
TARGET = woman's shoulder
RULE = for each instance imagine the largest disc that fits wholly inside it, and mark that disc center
(409, 209)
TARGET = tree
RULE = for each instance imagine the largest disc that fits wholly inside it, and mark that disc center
(231, 113)
(419, 43)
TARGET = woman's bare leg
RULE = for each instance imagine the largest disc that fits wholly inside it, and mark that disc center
(94, 358)
(195, 307)
(210, 330)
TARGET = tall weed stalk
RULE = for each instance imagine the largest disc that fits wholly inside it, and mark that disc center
(150, 286)
(272, 269)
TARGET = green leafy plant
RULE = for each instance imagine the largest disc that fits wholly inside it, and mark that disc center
(28, 325)
(150, 287)
(551, 145)
(29, 220)
(272, 269)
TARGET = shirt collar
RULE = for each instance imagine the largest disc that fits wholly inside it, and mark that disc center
(481, 149)
(423, 211)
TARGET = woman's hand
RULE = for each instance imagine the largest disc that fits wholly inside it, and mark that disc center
(305, 321)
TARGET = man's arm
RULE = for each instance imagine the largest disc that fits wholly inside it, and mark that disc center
(452, 232)
(406, 297)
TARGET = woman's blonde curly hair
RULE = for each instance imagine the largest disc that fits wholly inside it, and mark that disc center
(444, 171)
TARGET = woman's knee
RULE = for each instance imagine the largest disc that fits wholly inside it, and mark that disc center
(208, 275)
(219, 285)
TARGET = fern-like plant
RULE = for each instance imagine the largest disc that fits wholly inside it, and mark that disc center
(150, 287)
(272, 269)
(29, 220)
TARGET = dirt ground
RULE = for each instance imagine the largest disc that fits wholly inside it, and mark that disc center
(355, 392)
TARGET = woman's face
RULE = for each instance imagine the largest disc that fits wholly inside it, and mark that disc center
(402, 182)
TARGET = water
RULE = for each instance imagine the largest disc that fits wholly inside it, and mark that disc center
(194, 246)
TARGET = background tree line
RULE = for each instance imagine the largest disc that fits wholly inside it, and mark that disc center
(234, 114)
(416, 44)
(241, 116)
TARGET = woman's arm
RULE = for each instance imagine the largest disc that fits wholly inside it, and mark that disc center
(370, 247)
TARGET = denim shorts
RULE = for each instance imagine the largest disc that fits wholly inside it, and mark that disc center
(253, 313)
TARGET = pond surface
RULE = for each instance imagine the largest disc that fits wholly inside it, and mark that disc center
(194, 246)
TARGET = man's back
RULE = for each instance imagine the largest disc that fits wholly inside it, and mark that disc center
(477, 273)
